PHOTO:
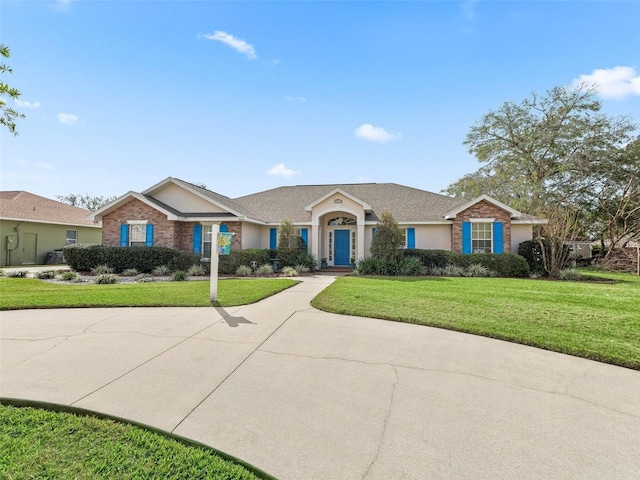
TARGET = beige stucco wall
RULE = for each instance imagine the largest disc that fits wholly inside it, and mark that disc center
(520, 233)
(184, 201)
(433, 237)
(252, 235)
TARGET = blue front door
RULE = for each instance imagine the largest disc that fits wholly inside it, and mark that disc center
(341, 247)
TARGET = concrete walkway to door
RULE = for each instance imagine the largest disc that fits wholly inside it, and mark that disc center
(304, 394)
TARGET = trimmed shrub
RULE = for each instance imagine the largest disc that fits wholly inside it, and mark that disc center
(228, 264)
(46, 275)
(84, 257)
(183, 260)
(243, 271)
(402, 266)
(106, 279)
(179, 276)
(430, 258)
(504, 264)
(511, 265)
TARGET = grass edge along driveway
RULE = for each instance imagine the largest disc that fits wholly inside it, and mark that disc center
(41, 443)
(26, 293)
(595, 320)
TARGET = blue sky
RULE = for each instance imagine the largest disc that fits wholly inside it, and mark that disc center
(247, 96)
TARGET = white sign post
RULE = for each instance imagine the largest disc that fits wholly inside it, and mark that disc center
(213, 287)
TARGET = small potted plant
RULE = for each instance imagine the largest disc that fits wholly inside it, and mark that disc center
(323, 262)
(353, 263)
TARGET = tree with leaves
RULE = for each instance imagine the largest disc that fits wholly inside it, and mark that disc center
(554, 146)
(556, 156)
(388, 240)
(8, 114)
(87, 201)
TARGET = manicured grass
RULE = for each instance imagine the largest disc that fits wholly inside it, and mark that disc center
(595, 320)
(38, 443)
(23, 293)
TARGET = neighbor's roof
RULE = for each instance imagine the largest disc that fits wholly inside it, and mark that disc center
(406, 204)
(27, 207)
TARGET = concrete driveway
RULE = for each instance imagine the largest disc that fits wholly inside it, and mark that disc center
(304, 394)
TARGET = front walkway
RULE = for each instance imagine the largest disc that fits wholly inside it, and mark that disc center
(304, 394)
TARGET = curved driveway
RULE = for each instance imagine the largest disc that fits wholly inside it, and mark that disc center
(304, 394)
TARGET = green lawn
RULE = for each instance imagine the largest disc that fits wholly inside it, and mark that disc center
(599, 321)
(37, 443)
(23, 293)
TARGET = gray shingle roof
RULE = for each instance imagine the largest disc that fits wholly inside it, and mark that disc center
(406, 204)
(21, 205)
(222, 200)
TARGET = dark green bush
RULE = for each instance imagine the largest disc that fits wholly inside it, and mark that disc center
(503, 264)
(531, 250)
(84, 257)
(182, 260)
(511, 265)
(532, 253)
(402, 266)
(229, 264)
(430, 258)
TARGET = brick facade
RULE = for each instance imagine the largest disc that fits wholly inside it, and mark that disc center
(167, 233)
(482, 209)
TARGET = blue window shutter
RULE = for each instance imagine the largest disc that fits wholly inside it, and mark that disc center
(124, 235)
(304, 234)
(373, 232)
(273, 238)
(411, 238)
(224, 227)
(149, 239)
(466, 237)
(197, 238)
(498, 237)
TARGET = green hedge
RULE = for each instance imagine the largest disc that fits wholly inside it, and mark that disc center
(228, 264)
(430, 258)
(84, 257)
(504, 264)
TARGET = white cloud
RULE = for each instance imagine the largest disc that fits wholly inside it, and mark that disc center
(281, 171)
(469, 9)
(233, 42)
(44, 166)
(67, 118)
(60, 5)
(295, 99)
(376, 134)
(616, 82)
(25, 104)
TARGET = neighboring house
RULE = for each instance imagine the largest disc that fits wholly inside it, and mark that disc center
(337, 222)
(32, 227)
